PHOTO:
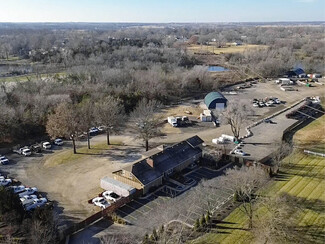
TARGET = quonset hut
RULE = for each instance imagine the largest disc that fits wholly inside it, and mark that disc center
(215, 100)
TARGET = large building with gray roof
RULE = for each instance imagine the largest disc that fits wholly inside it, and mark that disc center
(150, 171)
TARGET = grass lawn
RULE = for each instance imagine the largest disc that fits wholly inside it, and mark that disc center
(230, 49)
(68, 156)
(303, 176)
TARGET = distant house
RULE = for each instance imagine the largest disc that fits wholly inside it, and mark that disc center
(150, 171)
(215, 100)
(296, 73)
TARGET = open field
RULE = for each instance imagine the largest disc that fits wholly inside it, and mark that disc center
(21, 78)
(303, 176)
(229, 49)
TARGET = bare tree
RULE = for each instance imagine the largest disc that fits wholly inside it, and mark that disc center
(282, 150)
(244, 182)
(87, 114)
(145, 120)
(278, 223)
(64, 122)
(110, 113)
(236, 115)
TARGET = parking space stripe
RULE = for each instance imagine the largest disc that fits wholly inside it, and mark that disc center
(144, 205)
(126, 205)
(127, 215)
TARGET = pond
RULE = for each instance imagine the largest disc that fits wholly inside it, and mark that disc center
(217, 69)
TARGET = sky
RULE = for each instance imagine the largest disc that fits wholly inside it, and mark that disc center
(161, 11)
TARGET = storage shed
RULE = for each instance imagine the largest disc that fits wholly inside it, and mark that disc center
(118, 187)
(215, 100)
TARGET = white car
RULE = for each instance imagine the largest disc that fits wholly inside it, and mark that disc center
(4, 160)
(28, 191)
(40, 202)
(240, 152)
(26, 152)
(269, 103)
(111, 196)
(36, 203)
(5, 182)
(17, 189)
(47, 145)
(100, 202)
(27, 197)
(93, 130)
(58, 142)
(255, 105)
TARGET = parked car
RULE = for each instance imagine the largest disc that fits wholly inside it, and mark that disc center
(256, 105)
(240, 152)
(17, 189)
(46, 145)
(111, 196)
(93, 131)
(267, 121)
(101, 128)
(27, 197)
(5, 182)
(100, 202)
(23, 151)
(4, 160)
(28, 191)
(269, 103)
(58, 142)
(40, 202)
(26, 152)
(35, 204)
(37, 148)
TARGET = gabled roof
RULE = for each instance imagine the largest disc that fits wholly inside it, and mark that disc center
(174, 156)
(143, 172)
(165, 160)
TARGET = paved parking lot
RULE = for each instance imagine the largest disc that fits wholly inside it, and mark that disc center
(139, 209)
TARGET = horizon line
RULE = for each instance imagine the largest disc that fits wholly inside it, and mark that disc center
(134, 22)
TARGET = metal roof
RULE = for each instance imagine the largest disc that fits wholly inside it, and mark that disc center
(209, 98)
(164, 160)
(117, 183)
(144, 173)
(195, 141)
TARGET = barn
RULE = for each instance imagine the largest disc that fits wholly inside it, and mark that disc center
(215, 100)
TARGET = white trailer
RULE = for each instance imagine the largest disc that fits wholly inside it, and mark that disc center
(172, 120)
(206, 116)
(284, 81)
(120, 188)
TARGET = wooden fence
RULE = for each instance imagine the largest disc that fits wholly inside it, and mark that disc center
(105, 213)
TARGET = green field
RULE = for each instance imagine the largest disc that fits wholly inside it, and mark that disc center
(304, 178)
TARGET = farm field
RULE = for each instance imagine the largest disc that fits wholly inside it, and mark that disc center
(303, 177)
(230, 49)
(22, 78)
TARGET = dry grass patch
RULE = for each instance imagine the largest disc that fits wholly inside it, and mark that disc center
(230, 49)
(67, 156)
